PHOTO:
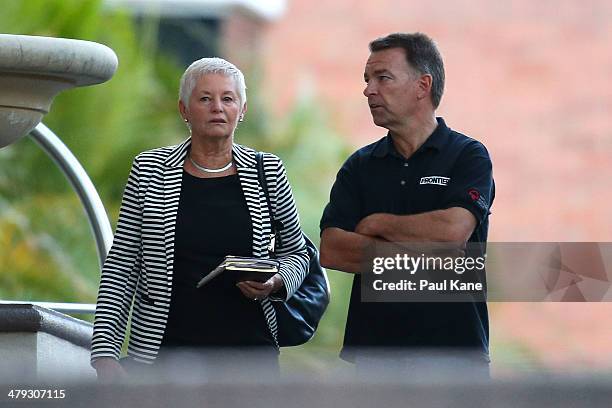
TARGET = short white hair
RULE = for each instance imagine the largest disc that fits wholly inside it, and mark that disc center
(205, 66)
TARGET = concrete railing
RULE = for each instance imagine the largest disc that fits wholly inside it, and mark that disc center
(38, 344)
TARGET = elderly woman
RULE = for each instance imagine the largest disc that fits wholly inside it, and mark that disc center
(185, 208)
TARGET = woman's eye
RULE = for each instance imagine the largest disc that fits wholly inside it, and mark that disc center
(228, 99)
(205, 98)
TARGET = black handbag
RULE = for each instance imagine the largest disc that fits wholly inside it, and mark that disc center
(298, 317)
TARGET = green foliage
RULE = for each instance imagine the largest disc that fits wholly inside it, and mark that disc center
(105, 126)
(37, 267)
(48, 253)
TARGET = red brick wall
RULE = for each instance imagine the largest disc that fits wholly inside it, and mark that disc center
(241, 39)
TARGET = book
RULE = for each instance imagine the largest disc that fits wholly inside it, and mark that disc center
(244, 269)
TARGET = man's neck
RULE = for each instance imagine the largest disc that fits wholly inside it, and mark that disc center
(413, 134)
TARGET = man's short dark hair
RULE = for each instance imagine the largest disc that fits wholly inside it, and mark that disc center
(421, 54)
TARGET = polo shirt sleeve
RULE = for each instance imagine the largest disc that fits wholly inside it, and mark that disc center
(344, 208)
(471, 183)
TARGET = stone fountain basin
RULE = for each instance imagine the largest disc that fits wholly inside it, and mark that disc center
(33, 70)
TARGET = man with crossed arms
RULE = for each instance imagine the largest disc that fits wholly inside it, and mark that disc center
(422, 182)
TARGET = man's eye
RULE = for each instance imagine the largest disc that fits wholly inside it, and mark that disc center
(384, 77)
(228, 99)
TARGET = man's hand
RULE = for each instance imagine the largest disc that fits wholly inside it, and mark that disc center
(259, 290)
(108, 369)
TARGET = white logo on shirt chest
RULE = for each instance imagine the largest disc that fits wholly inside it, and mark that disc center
(439, 180)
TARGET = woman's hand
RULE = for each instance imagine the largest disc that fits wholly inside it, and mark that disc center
(109, 369)
(259, 290)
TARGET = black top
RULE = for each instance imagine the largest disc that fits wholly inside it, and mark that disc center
(212, 221)
(448, 170)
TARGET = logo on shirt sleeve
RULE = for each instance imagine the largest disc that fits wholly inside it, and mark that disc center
(478, 198)
(474, 194)
(439, 180)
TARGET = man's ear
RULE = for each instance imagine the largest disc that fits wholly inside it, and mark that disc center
(425, 83)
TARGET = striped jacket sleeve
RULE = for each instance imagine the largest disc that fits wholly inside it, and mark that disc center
(119, 275)
(291, 251)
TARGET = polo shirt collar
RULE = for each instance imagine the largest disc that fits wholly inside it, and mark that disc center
(435, 141)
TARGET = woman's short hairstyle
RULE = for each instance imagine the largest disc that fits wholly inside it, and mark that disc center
(214, 65)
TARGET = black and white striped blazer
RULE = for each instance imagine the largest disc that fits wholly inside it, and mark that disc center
(137, 274)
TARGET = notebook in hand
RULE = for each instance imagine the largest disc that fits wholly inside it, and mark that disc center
(243, 268)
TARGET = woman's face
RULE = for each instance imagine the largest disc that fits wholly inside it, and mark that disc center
(214, 106)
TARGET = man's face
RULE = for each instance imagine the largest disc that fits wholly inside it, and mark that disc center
(392, 87)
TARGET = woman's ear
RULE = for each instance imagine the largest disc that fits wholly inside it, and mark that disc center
(244, 110)
(183, 110)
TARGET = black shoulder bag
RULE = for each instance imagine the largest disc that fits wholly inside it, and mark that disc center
(298, 317)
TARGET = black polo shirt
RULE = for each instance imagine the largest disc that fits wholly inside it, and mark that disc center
(448, 170)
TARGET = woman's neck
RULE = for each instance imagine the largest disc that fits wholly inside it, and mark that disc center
(211, 153)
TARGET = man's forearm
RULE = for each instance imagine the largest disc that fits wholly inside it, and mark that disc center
(451, 225)
(342, 250)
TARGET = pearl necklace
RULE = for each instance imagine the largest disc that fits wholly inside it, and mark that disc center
(207, 170)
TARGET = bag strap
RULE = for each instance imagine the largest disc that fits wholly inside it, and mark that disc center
(261, 175)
